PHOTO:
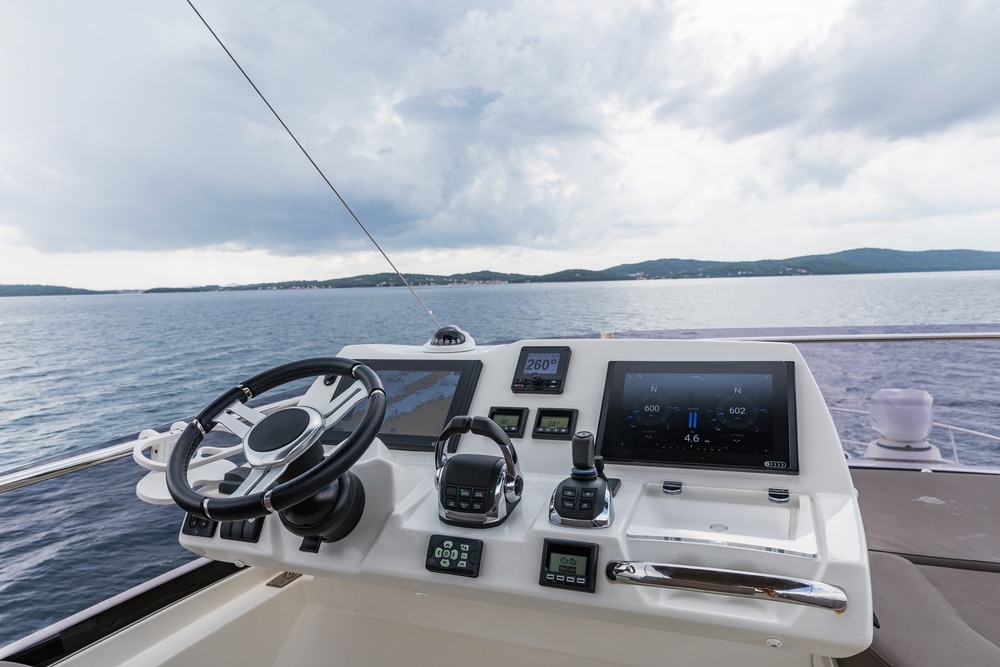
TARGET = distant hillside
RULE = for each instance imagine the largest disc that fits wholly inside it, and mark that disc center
(42, 290)
(415, 279)
(862, 260)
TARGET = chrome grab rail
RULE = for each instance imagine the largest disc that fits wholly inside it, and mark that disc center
(874, 337)
(733, 583)
(53, 469)
(45, 471)
(41, 472)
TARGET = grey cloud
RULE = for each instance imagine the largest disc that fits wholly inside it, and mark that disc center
(442, 126)
(457, 108)
(890, 69)
(167, 147)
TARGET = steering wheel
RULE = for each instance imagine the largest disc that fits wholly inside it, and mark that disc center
(273, 443)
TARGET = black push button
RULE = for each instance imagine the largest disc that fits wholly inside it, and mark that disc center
(252, 528)
(242, 531)
(197, 526)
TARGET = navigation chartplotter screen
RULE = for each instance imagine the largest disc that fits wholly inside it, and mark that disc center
(421, 397)
(726, 415)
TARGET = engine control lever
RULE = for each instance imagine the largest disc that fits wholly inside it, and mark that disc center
(582, 500)
(476, 490)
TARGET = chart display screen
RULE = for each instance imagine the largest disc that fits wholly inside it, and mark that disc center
(728, 415)
(421, 398)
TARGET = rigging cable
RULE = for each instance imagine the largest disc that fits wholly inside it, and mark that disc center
(313, 163)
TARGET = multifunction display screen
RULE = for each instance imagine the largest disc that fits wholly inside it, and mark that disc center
(421, 398)
(727, 415)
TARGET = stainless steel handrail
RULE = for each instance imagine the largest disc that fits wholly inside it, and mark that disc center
(733, 583)
(947, 427)
(72, 464)
(951, 430)
(874, 338)
(53, 469)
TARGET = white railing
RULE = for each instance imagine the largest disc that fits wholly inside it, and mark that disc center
(951, 430)
(145, 440)
(51, 469)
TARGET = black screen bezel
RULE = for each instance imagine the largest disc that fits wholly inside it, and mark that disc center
(468, 370)
(782, 460)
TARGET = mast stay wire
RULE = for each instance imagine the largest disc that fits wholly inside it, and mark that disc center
(313, 163)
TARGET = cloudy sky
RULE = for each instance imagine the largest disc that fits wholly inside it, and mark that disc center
(516, 136)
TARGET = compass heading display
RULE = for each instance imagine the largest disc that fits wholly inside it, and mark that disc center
(540, 369)
(729, 415)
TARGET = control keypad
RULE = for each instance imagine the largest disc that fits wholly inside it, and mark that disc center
(454, 555)
(580, 499)
(467, 498)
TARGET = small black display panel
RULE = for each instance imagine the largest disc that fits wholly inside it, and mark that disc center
(541, 369)
(571, 565)
(725, 415)
(555, 424)
(422, 397)
(511, 420)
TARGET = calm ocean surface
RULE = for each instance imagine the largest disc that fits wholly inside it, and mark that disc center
(77, 371)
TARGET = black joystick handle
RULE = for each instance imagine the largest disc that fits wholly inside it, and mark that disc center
(583, 456)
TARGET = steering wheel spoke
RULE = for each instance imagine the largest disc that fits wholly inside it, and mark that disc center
(259, 479)
(333, 402)
(238, 418)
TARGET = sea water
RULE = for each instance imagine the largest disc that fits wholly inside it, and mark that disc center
(78, 371)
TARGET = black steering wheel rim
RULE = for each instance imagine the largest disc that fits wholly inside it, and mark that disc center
(303, 486)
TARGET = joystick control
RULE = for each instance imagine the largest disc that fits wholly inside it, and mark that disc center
(582, 500)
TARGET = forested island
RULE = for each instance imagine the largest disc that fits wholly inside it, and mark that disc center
(862, 260)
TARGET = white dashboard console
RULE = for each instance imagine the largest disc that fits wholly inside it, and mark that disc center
(734, 516)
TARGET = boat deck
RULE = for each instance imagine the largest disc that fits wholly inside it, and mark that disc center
(934, 549)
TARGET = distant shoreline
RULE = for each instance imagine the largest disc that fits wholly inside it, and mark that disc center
(848, 262)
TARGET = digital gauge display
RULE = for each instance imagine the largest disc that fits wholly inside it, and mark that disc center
(567, 563)
(728, 415)
(541, 369)
(543, 363)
